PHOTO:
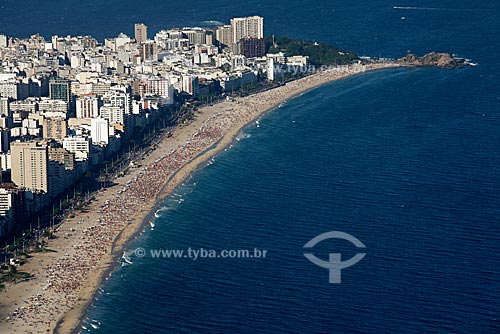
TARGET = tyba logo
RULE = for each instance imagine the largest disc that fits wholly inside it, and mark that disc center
(334, 263)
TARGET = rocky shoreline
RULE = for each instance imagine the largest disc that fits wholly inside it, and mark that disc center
(435, 59)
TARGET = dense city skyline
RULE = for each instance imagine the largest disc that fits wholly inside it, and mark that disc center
(75, 95)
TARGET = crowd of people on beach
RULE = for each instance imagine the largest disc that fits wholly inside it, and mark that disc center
(93, 240)
(93, 233)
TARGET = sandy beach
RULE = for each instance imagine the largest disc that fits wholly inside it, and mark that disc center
(89, 245)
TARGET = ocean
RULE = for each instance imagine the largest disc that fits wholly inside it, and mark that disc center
(405, 160)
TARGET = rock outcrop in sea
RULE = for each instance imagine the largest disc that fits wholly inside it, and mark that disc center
(434, 59)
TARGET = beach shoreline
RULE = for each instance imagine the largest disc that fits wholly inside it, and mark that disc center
(213, 130)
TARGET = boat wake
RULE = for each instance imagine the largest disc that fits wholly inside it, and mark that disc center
(164, 208)
(126, 258)
(428, 8)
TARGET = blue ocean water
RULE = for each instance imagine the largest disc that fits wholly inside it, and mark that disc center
(406, 160)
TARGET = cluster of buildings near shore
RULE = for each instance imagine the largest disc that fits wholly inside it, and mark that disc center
(68, 104)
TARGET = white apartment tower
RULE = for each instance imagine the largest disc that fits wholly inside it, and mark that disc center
(3, 41)
(4, 106)
(247, 27)
(99, 130)
(87, 106)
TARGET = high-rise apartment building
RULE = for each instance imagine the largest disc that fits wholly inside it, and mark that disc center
(87, 106)
(55, 128)
(30, 162)
(4, 106)
(119, 97)
(247, 27)
(51, 106)
(224, 36)
(99, 130)
(196, 36)
(251, 47)
(61, 170)
(11, 88)
(149, 51)
(60, 89)
(190, 85)
(140, 32)
(115, 114)
(155, 86)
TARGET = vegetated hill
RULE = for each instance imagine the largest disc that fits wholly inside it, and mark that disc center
(319, 53)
